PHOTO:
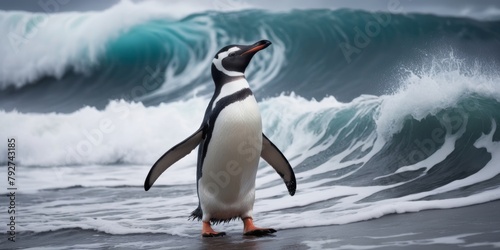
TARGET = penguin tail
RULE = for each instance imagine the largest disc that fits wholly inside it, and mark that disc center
(197, 214)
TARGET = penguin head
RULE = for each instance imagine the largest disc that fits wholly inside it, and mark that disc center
(231, 61)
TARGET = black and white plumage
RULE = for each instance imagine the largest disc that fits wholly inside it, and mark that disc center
(230, 142)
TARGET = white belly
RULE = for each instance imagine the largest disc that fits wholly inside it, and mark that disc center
(227, 186)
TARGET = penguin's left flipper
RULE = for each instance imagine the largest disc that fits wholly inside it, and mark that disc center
(173, 155)
(272, 155)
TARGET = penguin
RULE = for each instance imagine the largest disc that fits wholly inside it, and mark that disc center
(230, 144)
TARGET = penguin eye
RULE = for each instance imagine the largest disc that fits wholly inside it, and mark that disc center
(231, 54)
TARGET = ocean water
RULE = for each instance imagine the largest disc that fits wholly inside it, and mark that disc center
(378, 113)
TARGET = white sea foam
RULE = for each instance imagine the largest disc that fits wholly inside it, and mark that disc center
(48, 44)
(123, 132)
(440, 85)
(131, 133)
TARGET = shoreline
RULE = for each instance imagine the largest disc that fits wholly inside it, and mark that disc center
(476, 226)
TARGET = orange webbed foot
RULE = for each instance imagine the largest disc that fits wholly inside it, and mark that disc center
(251, 230)
(207, 231)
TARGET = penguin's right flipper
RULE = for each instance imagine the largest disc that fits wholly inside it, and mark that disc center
(173, 155)
(272, 155)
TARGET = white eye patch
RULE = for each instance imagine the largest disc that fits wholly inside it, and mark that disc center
(218, 62)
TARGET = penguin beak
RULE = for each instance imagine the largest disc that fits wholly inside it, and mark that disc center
(260, 45)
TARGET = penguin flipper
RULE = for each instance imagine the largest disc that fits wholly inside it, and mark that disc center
(173, 155)
(272, 155)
